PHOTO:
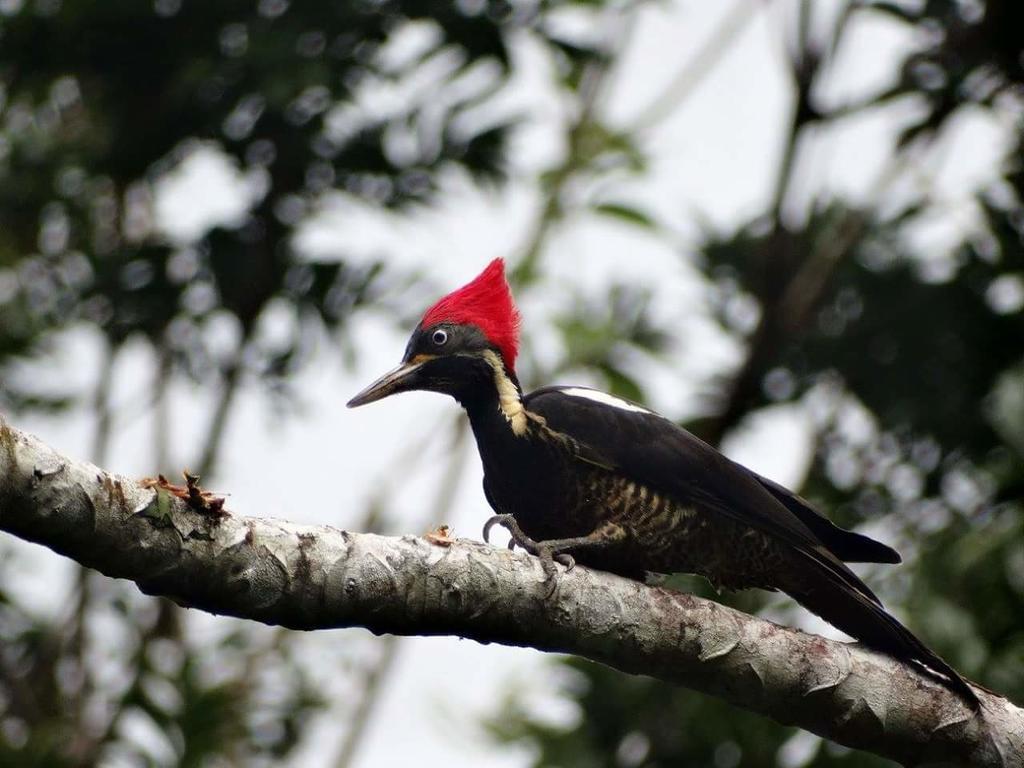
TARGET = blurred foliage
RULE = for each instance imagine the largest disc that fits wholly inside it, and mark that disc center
(971, 56)
(911, 366)
(243, 700)
(910, 363)
(102, 105)
(99, 103)
(629, 721)
(604, 334)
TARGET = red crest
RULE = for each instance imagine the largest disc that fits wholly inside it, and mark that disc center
(486, 302)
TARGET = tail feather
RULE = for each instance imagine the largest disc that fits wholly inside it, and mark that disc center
(849, 546)
(849, 610)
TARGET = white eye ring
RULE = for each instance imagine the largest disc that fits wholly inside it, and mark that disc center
(439, 337)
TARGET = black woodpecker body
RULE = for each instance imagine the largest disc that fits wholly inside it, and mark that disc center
(577, 475)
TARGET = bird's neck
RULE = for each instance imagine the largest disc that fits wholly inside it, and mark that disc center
(495, 403)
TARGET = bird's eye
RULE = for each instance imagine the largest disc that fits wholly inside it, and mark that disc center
(439, 337)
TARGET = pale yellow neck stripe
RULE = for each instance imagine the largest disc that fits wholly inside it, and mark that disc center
(509, 401)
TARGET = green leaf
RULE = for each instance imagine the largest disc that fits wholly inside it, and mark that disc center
(627, 213)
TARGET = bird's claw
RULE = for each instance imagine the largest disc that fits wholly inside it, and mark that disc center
(518, 537)
(547, 564)
(548, 557)
(493, 521)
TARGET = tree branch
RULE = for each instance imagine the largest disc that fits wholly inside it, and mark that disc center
(313, 577)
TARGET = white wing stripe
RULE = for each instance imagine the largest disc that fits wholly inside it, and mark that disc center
(603, 397)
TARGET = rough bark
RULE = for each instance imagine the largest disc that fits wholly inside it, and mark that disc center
(314, 577)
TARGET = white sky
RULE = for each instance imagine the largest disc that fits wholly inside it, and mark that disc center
(712, 159)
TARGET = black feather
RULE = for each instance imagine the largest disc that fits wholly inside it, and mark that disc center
(660, 455)
(848, 546)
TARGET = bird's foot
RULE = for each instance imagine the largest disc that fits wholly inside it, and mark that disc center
(547, 554)
(518, 537)
(548, 557)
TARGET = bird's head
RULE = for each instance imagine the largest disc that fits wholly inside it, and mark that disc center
(463, 342)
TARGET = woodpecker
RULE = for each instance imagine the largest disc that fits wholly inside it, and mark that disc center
(580, 476)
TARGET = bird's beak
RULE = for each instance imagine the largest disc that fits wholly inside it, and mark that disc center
(401, 379)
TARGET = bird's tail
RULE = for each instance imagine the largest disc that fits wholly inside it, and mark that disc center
(857, 614)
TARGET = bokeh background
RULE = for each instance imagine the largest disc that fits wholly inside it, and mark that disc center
(795, 227)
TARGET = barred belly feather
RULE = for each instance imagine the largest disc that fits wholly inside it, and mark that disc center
(663, 535)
